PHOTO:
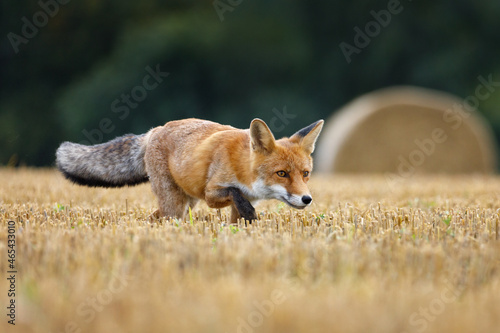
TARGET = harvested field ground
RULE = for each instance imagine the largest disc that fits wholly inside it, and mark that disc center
(368, 256)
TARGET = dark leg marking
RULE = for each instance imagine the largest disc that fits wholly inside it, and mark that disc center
(244, 207)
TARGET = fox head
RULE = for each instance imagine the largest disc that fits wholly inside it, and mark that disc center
(283, 166)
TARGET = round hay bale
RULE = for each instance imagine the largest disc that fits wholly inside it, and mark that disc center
(406, 130)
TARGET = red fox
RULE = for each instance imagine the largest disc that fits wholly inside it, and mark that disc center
(192, 159)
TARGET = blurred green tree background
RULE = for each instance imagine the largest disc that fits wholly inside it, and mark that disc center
(88, 71)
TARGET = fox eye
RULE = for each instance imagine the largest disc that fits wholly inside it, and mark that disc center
(281, 173)
(306, 173)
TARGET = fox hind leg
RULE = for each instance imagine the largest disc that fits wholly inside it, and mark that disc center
(163, 210)
(172, 200)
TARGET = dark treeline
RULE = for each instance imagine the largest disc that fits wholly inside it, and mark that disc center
(88, 71)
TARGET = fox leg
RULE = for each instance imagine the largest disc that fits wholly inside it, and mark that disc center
(191, 202)
(172, 200)
(224, 196)
(235, 215)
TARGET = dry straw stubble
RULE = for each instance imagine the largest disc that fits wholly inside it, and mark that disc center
(423, 257)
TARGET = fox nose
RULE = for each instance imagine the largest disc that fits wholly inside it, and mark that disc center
(307, 199)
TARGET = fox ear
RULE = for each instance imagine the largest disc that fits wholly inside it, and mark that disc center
(307, 136)
(261, 136)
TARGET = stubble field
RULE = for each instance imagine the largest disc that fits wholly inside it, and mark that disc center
(369, 255)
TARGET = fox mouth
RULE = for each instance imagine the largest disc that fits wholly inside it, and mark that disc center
(291, 204)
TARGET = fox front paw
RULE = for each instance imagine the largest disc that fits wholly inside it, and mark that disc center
(248, 213)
